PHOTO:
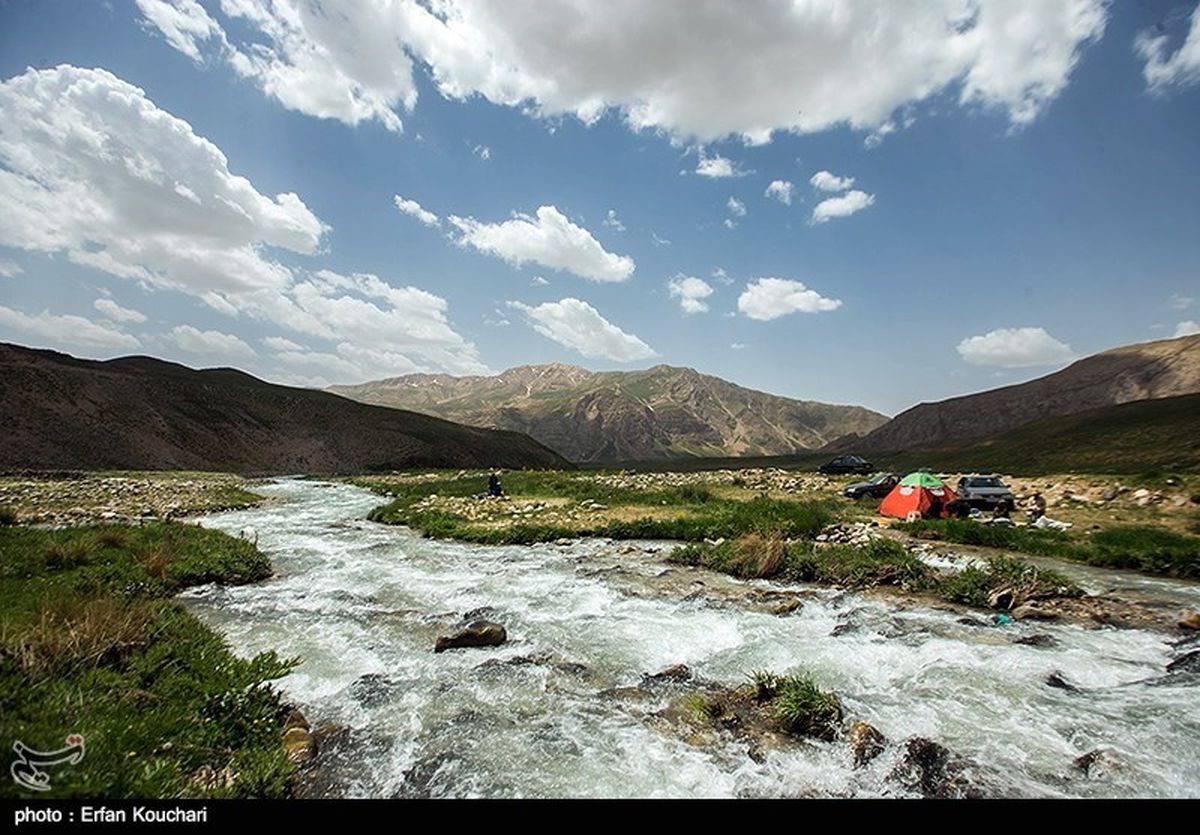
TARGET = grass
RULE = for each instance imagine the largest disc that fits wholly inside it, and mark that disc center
(697, 513)
(797, 704)
(880, 563)
(1152, 550)
(90, 643)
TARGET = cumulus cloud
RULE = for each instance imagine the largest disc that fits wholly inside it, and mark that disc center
(65, 329)
(765, 299)
(115, 313)
(717, 167)
(91, 168)
(209, 343)
(414, 209)
(825, 181)
(691, 292)
(10, 269)
(614, 222)
(736, 207)
(703, 71)
(548, 239)
(843, 205)
(1162, 68)
(577, 325)
(1015, 348)
(1187, 328)
(781, 190)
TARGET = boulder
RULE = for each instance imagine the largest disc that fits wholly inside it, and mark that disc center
(866, 742)
(1039, 640)
(1187, 663)
(932, 771)
(476, 633)
(1094, 763)
(677, 673)
(1190, 621)
(299, 745)
(1028, 611)
(1056, 680)
(786, 607)
(295, 719)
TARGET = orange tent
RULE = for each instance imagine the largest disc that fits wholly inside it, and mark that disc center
(917, 493)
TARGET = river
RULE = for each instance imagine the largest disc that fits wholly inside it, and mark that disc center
(355, 599)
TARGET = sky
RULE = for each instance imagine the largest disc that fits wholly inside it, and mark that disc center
(876, 202)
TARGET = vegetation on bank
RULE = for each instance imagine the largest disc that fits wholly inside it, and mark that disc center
(1153, 550)
(688, 512)
(882, 562)
(91, 644)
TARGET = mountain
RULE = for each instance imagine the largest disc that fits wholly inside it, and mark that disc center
(140, 413)
(1148, 370)
(1137, 437)
(659, 413)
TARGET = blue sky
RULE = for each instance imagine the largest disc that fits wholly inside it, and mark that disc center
(1024, 190)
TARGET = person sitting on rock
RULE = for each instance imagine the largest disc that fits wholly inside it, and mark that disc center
(1035, 508)
(494, 488)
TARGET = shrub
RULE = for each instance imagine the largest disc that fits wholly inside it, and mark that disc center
(758, 556)
(804, 709)
(8, 516)
(73, 633)
(63, 554)
(695, 493)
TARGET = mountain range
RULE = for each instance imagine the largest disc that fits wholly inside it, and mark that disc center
(140, 413)
(658, 413)
(1144, 371)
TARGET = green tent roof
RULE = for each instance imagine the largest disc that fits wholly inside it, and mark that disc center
(921, 480)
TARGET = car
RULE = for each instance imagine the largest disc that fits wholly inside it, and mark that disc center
(846, 464)
(985, 491)
(878, 486)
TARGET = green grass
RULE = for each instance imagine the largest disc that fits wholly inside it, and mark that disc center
(90, 643)
(880, 563)
(1135, 547)
(703, 514)
(797, 704)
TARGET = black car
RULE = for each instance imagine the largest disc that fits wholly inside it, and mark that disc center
(847, 464)
(985, 491)
(878, 486)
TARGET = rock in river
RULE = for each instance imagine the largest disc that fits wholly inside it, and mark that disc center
(477, 633)
(865, 741)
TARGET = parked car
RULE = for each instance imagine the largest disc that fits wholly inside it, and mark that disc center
(985, 491)
(846, 464)
(878, 486)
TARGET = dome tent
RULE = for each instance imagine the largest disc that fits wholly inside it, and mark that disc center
(920, 493)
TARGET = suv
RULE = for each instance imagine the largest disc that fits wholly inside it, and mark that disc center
(846, 464)
(985, 491)
(878, 486)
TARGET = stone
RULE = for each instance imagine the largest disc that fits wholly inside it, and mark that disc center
(1186, 663)
(1028, 611)
(1040, 640)
(786, 607)
(1056, 680)
(295, 719)
(932, 771)
(298, 745)
(866, 742)
(1001, 599)
(1190, 621)
(476, 633)
(1095, 760)
(675, 673)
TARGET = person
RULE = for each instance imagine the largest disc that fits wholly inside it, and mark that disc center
(1035, 508)
(959, 509)
(494, 488)
(935, 508)
(1002, 510)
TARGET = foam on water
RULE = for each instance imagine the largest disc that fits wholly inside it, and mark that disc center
(352, 598)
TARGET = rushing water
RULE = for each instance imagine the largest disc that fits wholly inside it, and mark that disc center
(353, 598)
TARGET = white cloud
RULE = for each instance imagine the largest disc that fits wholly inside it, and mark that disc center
(65, 329)
(1178, 302)
(577, 325)
(730, 223)
(538, 281)
(483, 152)
(414, 209)
(720, 275)
(736, 207)
(209, 343)
(737, 346)
(825, 181)
(717, 167)
(614, 222)
(781, 190)
(1015, 348)
(691, 292)
(691, 70)
(114, 312)
(765, 299)
(278, 343)
(10, 269)
(93, 169)
(659, 241)
(549, 239)
(1187, 328)
(1162, 69)
(843, 205)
